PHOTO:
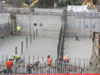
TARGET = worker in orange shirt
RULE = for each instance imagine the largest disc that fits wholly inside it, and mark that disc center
(9, 65)
(49, 63)
(49, 60)
(66, 59)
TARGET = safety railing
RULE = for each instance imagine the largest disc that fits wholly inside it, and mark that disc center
(40, 66)
(44, 69)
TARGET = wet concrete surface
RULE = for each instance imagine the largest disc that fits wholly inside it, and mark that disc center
(78, 51)
(46, 42)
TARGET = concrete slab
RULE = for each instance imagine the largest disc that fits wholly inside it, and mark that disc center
(78, 49)
(45, 43)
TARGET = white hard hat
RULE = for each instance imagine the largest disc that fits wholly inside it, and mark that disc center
(10, 57)
(3, 1)
(13, 54)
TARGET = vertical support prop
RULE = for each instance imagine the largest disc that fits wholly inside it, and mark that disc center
(16, 50)
(36, 32)
(84, 65)
(33, 35)
(26, 42)
(29, 59)
(30, 38)
(22, 47)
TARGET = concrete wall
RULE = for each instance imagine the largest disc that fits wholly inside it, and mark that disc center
(50, 24)
(82, 23)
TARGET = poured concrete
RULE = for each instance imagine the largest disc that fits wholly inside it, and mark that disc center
(46, 41)
(81, 49)
(48, 35)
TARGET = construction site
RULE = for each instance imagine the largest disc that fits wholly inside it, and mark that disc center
(42, 33)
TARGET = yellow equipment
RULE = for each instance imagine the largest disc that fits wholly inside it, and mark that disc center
(24, 4)
(31, 5)
(34, 2)
(89, 1)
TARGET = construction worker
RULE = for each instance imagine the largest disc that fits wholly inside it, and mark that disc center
(76, 37)
(29, 68)
(16, 58)
(66, 59)
(9, 65)
(49, 63)
(49, 60)
(36, 63)
(18, 28)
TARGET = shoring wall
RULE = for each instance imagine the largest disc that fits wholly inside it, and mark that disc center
(83, 24)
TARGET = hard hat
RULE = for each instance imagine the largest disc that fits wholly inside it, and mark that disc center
(10, 57)
(3, 2)
(13, 54)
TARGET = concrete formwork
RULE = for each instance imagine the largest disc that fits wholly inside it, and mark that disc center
(95, 57)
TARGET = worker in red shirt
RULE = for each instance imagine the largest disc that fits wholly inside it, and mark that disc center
(66, 59)
(49, 60)
(9, 65)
